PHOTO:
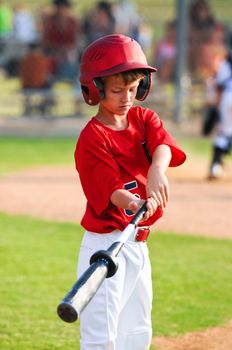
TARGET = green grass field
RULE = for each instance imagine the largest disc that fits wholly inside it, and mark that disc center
(21, 153)
(191, 281)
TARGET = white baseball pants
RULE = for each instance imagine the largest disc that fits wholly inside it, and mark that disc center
(119, 315)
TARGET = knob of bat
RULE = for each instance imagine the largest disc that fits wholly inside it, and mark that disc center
(109, 258)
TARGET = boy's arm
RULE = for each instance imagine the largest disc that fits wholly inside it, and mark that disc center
(157, 186)
(157, 182)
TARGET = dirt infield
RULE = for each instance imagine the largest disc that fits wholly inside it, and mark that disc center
(196, 207)
(212, 339)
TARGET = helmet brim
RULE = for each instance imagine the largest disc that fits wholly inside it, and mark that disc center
(125, 67)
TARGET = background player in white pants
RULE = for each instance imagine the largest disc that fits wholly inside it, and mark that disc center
(223, 138)
(121, 156)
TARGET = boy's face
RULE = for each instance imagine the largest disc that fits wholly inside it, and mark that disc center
(119, 97)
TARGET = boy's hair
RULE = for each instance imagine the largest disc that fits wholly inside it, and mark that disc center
(130, 75)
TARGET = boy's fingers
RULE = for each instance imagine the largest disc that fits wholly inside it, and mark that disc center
(161, 197)
(151, 206)
(157, 197)
(166, 192)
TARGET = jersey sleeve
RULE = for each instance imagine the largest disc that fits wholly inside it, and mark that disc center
(156, 135)
(98, 171)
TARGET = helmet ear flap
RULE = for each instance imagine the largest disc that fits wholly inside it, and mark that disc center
(144, 87)
(90, 93)
(93, 92)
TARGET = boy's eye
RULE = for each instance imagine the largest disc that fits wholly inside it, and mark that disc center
(117, 91)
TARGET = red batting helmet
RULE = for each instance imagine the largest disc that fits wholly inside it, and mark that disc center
(110, 55)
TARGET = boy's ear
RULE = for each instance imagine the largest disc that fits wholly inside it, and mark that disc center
(144, 87)
(100, 85)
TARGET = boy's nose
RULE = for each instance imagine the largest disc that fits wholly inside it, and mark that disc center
(126, 96)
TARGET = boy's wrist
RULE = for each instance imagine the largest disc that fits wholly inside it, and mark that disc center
(158, 167)
(134, 200)
(135, 204)
(124, 199)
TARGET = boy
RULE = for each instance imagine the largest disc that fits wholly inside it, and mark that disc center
(121, 156)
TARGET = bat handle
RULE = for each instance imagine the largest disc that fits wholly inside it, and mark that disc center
(139, 215)
(109, 255)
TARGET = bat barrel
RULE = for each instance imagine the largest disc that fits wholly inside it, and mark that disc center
(82, 291)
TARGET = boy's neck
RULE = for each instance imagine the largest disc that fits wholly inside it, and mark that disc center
(114, 122)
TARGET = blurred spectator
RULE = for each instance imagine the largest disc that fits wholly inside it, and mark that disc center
(5, 30)
(60, 35)
(129, 22)
(36, 76)
(144, 37)
(24, 28)
(165, 54)
(98, 22)
(22, 34)
(202, 24)
(5, 20)
(213, 52)
(127, 19)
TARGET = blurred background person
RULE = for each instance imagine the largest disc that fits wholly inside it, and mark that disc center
(222, 139)
(5, 29)
(36, 76)
(60, 31)
(5, 20)
(127, 19)
(202, 24)
(97, 22)
(23, 33)
(24, 29)
(213, 51)
(164, 54)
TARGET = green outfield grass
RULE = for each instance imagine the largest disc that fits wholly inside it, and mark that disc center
(196, 146)
(191, 281)
(38, 264)
(22, 153)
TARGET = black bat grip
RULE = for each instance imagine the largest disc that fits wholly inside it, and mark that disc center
(139, 215)
(109, 257)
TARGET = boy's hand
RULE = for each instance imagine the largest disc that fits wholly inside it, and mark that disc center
(151, 204)
(157, 186)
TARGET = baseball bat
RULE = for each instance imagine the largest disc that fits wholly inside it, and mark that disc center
(103, 264)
